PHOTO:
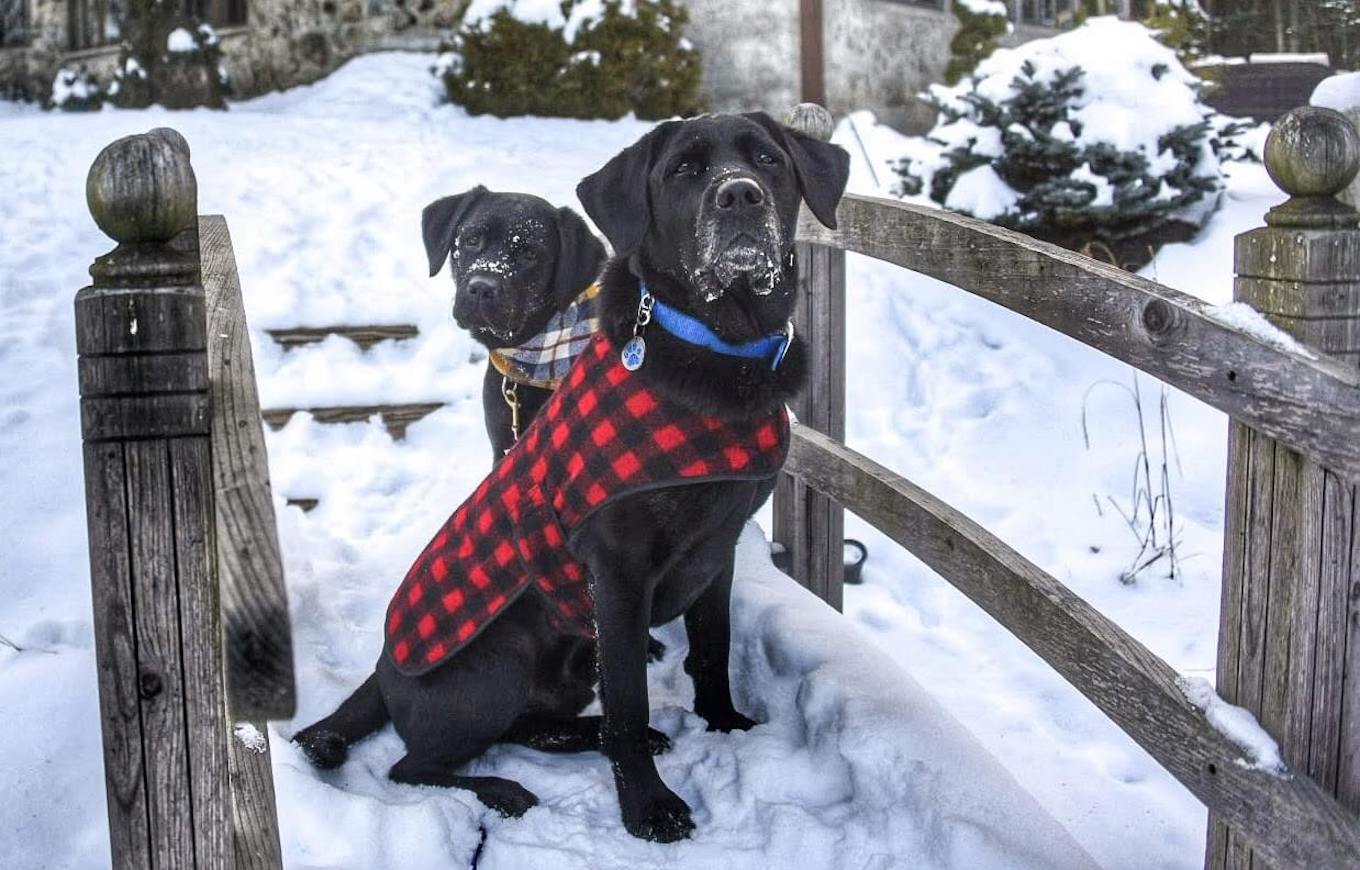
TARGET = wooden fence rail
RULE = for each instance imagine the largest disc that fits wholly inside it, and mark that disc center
(1290, 626)
(182, 540)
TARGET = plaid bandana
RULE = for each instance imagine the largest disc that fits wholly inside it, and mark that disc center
(601, 436)
(544, 360)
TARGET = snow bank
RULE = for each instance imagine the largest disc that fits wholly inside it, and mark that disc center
(1340, 92)
(547, 12)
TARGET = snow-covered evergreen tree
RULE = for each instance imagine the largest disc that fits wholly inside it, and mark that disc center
(1093, 136)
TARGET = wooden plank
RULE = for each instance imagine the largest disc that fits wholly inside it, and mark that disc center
(160, 678)
(364, 336)
(1312, 404)
(201, 642)
(1330, 662)
(116, 648)
(258, 637)
(1348, 773)
(396, 418)
(812, 52)
(1290, 821)
(255, 824)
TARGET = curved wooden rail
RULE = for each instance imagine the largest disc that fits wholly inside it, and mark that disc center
(1290, 820)
(255, 627)
(1308, 401)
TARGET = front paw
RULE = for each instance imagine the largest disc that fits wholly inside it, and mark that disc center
(661, 818)
(657, 742)
(728, 720)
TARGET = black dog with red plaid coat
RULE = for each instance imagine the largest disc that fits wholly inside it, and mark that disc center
(702, 214)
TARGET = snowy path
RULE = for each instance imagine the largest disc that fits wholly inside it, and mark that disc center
(322, 187)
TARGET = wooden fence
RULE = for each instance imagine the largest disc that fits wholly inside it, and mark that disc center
(191, 622)
(1289, 646)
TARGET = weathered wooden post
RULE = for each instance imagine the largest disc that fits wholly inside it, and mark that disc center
(141, 335)
(810, 526)
(1289, 638)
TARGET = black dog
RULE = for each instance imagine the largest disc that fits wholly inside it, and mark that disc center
(701, 214)
(517, 264)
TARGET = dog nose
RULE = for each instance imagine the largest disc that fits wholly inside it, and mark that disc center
(482, 288)
(738, 193)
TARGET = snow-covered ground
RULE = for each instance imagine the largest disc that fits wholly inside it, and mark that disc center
(322, 187)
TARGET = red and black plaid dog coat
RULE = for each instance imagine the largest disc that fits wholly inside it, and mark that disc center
(601, 436)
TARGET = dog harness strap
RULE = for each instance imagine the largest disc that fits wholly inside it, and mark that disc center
(602, 436)
(544, 360)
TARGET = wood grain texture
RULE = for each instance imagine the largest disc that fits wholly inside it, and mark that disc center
(1312, 404)
(116, 654)
(1289, 819)
(254, 823)
(396, 417)
(258, 636)
(201, 644)
(809, 525)
(1292, 571)
(160, 666)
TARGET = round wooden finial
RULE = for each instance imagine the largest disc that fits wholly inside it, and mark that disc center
(812, 120)
(142, 189)
(1313, 152)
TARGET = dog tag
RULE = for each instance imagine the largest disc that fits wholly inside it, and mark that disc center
(634, 352)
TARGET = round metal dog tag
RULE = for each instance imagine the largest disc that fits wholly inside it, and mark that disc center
(634, 352)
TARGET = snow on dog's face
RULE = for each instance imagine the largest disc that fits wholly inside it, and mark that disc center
(515, 260)
(713, 202)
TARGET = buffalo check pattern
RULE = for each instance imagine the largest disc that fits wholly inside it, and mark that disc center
(604, 434)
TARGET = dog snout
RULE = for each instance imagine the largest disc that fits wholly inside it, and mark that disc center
(739, 194)
(483, 288)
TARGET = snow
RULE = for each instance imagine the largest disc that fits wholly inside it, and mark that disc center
(251, 737)
(1134, 92)
(895, 736)
(547, 12)
(1253, 323)
(982, 193)
(1317, 57)
(1238, 725)
(1340, 92)
(70, 84)
(985, 7)
(180, 41)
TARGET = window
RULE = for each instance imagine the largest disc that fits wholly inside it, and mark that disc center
(1048, 13)
(13, 22)
(218, 13)
(92, 23)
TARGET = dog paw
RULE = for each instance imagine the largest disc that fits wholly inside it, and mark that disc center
(664, 818)
(729, 720)
(657, 742)
(656, 650)
(506, 797)
(324, 749)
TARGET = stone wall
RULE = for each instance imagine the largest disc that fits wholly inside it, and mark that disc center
(26, 71)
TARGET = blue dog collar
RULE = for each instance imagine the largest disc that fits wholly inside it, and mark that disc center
(690, 329)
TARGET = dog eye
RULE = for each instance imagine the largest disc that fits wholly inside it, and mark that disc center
(472, 242)
(688, 167)
(766, 158)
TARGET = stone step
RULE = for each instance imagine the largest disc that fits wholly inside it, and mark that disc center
(395, 417)
(364, 336)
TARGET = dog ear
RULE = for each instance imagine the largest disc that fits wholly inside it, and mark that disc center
(579, 256)
(617, 197)
(822, 169)
(439, 224)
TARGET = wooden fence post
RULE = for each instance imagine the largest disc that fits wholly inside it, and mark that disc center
(143, 370)
(809, 525)
(1289, 634)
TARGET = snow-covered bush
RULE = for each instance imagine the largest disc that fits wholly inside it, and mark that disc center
(981, 22)
(181, 70)
(75, 90)
(575, 58)
(1092, 136)
(1182, 26)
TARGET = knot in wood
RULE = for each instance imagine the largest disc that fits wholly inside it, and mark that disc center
(1159, 318)
(812, 120)
(142, 188)
(149, 684)
(1313, 151)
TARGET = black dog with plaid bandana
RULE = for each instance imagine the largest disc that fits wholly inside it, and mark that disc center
(701, 215)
